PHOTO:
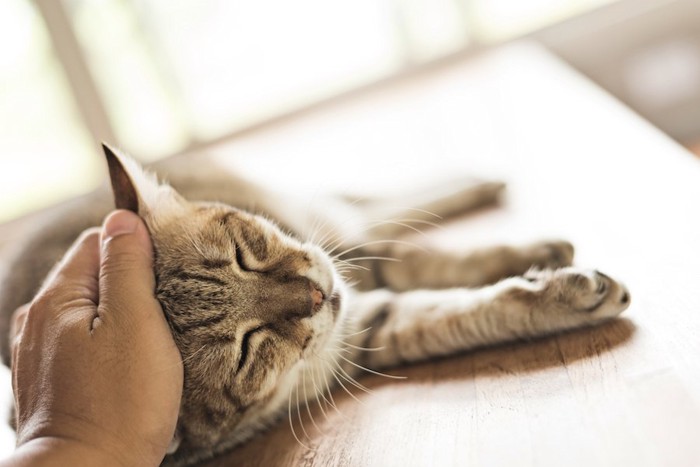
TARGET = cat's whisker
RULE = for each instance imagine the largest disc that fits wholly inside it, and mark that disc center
(328, 389)
(353, 382)
(343, 275)
(341, 239)
(347, 272)
(335, 237)
(301, 420)
(339, 236)
(377, 242)
(316, 225)
(346, 265)
(349, 269)
(346, 275)
(379, 373)
(332, 247)
(400, 224)
(194, 354)
(406, 223)
(343, 374)
(364, 349)
(414, 209)
(306, 403)
(291, 422)
(343, 349)
(371, 224)
(383, 258)
(310, 237)
(324, 237)
(339, 349)
(329, 238)
(421, 221)
(318, 391)
(350, 282)
(195, 243)
(354, 333)
(333, 372)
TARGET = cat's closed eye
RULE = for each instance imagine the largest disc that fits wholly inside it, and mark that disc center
(240, 260)
(245, 345)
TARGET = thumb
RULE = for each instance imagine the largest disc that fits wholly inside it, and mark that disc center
(126, 280)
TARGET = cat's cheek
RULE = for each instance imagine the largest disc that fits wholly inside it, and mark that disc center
(269, 382)
(274, 374)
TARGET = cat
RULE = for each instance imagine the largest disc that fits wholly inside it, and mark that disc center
(260, 310)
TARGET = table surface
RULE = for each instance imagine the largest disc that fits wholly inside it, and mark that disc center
(580, 166)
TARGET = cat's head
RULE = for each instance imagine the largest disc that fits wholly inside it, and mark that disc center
(246, 302)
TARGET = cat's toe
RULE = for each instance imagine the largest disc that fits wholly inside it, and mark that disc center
(568, 298)
(592, 292)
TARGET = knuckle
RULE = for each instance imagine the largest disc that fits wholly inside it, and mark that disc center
(41, 302)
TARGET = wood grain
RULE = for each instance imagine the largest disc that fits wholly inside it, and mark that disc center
(579, 166)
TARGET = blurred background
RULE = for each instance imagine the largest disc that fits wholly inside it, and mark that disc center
(159, 77)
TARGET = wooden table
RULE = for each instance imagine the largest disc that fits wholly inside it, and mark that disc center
(579, 166)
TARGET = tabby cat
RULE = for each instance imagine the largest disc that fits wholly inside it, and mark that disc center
(260, 310)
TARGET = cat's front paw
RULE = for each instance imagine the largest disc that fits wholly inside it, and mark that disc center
(578, 296)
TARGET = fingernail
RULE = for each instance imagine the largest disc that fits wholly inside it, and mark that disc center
(120, 223)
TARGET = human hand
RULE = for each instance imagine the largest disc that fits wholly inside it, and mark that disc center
(94, 366)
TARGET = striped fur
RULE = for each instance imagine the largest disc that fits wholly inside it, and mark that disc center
(259, 306)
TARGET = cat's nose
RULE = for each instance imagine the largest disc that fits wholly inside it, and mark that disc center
(317, 296)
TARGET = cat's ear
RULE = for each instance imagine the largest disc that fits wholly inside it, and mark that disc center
(137, 190)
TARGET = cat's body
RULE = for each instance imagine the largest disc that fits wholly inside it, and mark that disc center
(261, 314)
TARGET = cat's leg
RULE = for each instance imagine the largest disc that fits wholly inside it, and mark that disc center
(411, 267)
(418, 325)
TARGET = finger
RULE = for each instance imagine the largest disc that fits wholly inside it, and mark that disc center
(126, 281)
(76, 274)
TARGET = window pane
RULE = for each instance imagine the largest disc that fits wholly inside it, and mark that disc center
(176, 71)
(240, 61)
(140, 101)
(46, 154)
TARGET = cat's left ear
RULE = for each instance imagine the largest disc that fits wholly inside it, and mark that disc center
(137, 190)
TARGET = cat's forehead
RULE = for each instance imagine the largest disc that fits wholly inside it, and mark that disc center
(221, 218)
(213, 226)
(202, 218)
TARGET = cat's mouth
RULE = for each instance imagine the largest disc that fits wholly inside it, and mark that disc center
(332, 302)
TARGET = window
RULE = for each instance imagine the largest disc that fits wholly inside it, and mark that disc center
(45, 149)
